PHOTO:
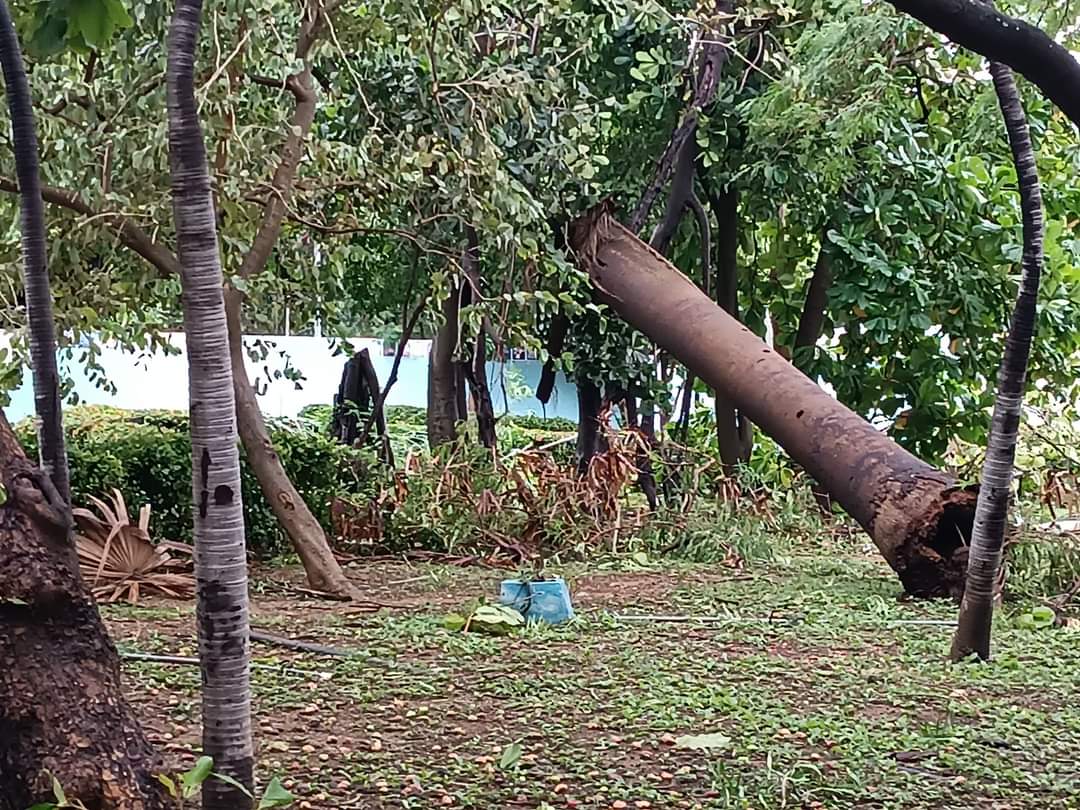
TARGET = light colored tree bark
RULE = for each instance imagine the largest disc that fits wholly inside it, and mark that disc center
(220, 558)
(992, 507)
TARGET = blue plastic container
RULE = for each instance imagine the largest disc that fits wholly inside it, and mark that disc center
(545, 600)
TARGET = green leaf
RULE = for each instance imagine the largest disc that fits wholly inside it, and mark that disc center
(118, 14)
(58, 790)
(169, 784)
(275, 796)
(197, 775)
(498, 620)
(228, 780)
(511, 755)
(91, 18)
(43, 806)
(49, 37)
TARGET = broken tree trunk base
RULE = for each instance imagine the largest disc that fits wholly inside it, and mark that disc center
(918, 517)
(62, 706)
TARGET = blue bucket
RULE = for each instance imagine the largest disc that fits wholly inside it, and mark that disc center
(545, 600)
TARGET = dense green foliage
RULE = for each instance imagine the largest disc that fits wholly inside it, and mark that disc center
(147, 456)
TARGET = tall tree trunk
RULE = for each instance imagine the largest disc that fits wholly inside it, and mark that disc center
(734, 433)
(588, 431)
(35, 271)
(220, 558)
(442, 411)
(62, 704)
(916, 515)
(992, 508)
(307, 535)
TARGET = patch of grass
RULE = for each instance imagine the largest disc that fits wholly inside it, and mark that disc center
(828, 693)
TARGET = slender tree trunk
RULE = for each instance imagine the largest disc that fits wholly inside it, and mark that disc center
(556, 339)
(588, 432)
(734, 433)
(35, 270)
(307, 535)
(220, 558)
(916, 515)
(807, 335)
(476, 372)
(992, 508)
(1029, 51)
(812, 319)
(62, 704)
(442, 412)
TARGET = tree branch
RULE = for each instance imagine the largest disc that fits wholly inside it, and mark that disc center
(130, 234)
(281, 186)
(998, 37)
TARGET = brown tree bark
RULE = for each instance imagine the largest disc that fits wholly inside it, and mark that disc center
(734, 433)
(322, 568)
(476, 373)
(812, 318)
(62, 704)
(917, 516)
(442, 411)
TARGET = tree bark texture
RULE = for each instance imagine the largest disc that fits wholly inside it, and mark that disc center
(917, 516)
(734, 433)
(220, 554)
(304, 530)
(992, 509)
(442, 411)
(476, 373)
(588, 431)
(62, 705)
(1029, 51)
(35, 270)
(812, 318)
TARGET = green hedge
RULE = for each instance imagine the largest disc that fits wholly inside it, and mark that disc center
(147, 456)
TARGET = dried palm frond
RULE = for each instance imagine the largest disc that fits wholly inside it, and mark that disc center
(117, 559)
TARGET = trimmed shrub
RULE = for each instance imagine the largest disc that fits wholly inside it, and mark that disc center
(147, 456)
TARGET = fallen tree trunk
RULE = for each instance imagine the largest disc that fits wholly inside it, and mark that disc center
(918, 517)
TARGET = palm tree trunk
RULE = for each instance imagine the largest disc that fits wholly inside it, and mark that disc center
(39, 309)
(220, 558)
(992, 507)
